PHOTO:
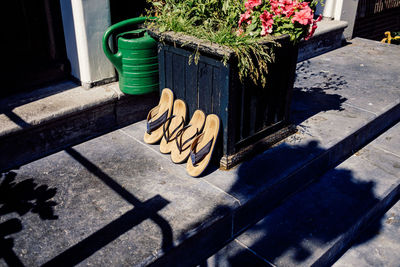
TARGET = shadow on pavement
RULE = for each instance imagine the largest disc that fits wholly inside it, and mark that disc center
(102, 237)
(316, 216)
(21, 198)
(311, 99)
(308, 220)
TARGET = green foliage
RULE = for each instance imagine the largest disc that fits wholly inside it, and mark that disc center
(217, 22)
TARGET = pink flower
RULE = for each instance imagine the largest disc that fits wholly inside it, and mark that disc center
(245, 17)
(276, 7)
(267, 23)
(313, 28)
(304, 16)
(288, 7)
(250, 4)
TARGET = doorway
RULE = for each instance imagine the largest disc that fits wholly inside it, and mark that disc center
(35, 47)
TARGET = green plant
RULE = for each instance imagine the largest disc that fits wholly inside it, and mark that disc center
(240, 25)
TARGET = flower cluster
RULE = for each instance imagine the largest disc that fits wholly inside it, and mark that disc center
(263, 17)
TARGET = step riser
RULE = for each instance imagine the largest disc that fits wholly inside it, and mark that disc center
(329, 36)
(72, 129)
(193, 250)
(320, 45)
(341, 246)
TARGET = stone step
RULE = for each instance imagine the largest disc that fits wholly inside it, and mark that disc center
(314, 227)
(328, 36)
(37, 123)
(114, 200)
(382, 248)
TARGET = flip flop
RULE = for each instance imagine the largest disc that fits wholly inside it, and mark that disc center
(202, 147)
(158, 116)
(181, 147)
(176, 123)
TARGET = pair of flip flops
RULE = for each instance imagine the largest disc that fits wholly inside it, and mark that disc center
(193, 142)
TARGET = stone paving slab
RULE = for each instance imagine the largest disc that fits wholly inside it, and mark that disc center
(328, 213)
(381, 250)
(109, 201)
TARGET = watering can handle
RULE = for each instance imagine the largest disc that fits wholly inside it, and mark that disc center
(116, 58)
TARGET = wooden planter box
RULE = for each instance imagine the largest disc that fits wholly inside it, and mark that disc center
(251, 117)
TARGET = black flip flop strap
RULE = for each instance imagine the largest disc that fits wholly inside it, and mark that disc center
(180, 144)
(166, 133)
(199, 155)
(180, 134)
(153, 125)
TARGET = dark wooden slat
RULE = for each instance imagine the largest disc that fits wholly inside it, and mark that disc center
(161, 66)
(245, 110)
(216, 90)
(252, 110)
(191, 87)
(205, 87)
(168, 69)
(178, 66)
(262, 102)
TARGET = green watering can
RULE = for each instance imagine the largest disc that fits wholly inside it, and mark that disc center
(136, 60)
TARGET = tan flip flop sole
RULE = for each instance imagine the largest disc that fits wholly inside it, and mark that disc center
(177, 122)
(186, 138)
(159, 113)
(203, 146)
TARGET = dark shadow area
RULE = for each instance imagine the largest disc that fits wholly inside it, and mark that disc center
(310, 219)
(21, 197)
(7, 253)
(125, 9)
(35, 52)
(275, 163)
(310, 100)
(96, 241)
(26, 196)
(109, 233)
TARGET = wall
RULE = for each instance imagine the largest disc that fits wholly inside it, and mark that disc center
(84, 23)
